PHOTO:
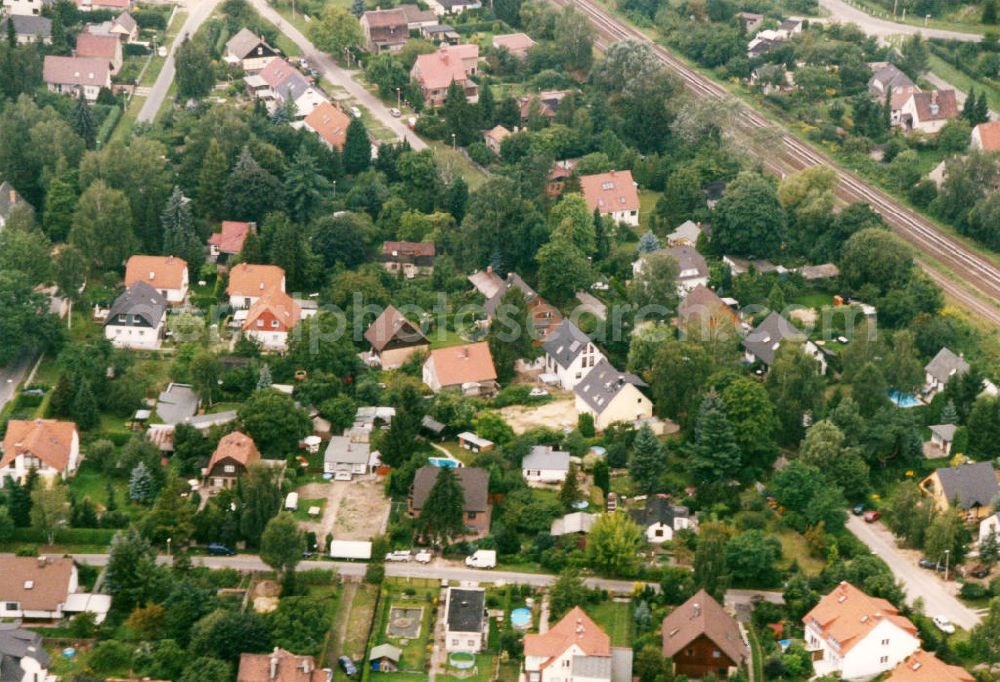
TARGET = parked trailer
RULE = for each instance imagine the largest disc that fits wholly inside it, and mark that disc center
(350, 549)
(292, 501)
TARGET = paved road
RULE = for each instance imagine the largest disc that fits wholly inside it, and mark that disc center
(12, 375)
(439, 570)
(882, 28)
(198, 12)
(339, 76)
(919, 582)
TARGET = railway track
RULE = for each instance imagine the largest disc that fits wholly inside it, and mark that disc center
(976, 271)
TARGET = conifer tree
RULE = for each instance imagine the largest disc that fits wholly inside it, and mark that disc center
(949, 415)
(305, 186)
(84, 409)
(647, 243)
(140, 484)
(179, 237)
(442, 516)
(82, 120)
(357, 152)
(212, 181)
(648, 462)
(714, 456)
(570, 490)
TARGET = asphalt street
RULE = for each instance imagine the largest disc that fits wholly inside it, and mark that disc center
(882, 28)
(12, 375)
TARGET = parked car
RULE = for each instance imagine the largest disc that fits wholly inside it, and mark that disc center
(871, 516)
(980, 571)
(424, 557)
(217, 549)
(858, 509)
(943, 624)
(927, 563)
(399, 555)
(347, 665)
(355, 112)
(395, 113)
(538, 392)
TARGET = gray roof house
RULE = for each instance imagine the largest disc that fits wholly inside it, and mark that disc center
(22, 656)
(691, 266)
(140, 303)
(603, 383)
(942, 368)
(565, 343)
(575, 522)
(659, 518)
(611, 396)
(685, 233)
(465, 619)
(29, 28)
(973, 486)
(544, 464)
(887, 76)
(763, 341)
(346, 456)
(177, 403)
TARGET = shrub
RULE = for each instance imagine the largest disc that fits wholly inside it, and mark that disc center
(973, 591)
(109, 656)
(481, 154)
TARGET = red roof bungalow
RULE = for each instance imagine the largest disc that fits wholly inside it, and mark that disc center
(229, 240)
(76, 75)
(97, 46)
(614, 194)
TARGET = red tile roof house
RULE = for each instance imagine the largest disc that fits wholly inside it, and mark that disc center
(412, 258)
(228, 241)
(248, 282)
(435, 72)
(386, 30)
(494, 138)
(235, 454)
(49, 446)
(36, 588)
(858, 636)
(166, 274)
(926, 667)
(614, 194)
(575, 648)
(475, 484)
(280, 666)
(271, 318)
(702, 638)
(986, 137)
(928, 112)
(468, 368)
(330, 123)
(105, 47)
(394, 339)
(76, 75)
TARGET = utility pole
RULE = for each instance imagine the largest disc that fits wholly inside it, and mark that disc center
(947, 555)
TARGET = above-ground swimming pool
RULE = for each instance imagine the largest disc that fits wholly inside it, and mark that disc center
(461, 660)
(904, 400)
(444, 462)
(520, 618)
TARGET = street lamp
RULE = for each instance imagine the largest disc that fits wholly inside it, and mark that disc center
(926, 18)
(947, 555)
(399, 103)
(334, 188)
(453, 141)
(168, 546)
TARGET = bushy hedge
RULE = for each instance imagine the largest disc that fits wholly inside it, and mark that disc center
(66, 536)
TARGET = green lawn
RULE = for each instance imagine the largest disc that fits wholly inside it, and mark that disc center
(457, 163)
(814, 300)
(302, 513)
(91, 482)
(963, 81)
(484, 671)
(794, 548)
(442, 338)
(647, 203)
(616, 620)
(359, 621)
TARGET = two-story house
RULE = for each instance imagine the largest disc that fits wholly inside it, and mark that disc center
(166, 274)
(347, 456)
(49, 446)
(613, 194)
(394, 339)
(76, 76)
(45, 588)
(104, 47)
(235, 453)
(570, 354)
(137, 318)
(701, 638)
(475, 483)
(435, 72)
(857, 636)
(466, 624)
(228, 241)
(272, 317)
(385, 30)
(611, 396)
(248, 282)
(410, 258)
(762, 343)
(249, 51)
(971, 488)
(940, 370)
(575, 649)
(660, 519)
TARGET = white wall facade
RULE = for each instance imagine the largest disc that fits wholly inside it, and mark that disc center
(135, 338)
(628, 405)
(885, 647)
(543, 475)
(14, 610)
(570, 376)
(269, 340)
(24, 8)
(22, 464)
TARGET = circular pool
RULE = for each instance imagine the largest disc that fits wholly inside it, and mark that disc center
(461, 660)
(520, 619)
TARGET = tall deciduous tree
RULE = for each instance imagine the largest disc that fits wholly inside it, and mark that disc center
(335, 31)
(796, 388)
(274, 422)
(613, 544)
(102, 227)
(563, 270)
(49, 509)
(511, 334)
(749, 220)
(195, 76)
(282, 544)
(251, 191)
(575, 37)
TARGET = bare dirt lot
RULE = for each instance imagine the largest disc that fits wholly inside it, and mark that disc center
(560, 413)
(355, 510)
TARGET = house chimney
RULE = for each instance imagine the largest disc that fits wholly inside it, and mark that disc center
(42, 561)
(13, 197)
(695, 610)
(274, 664)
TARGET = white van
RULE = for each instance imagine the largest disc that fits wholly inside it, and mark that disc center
(483, 558)
(292, 502)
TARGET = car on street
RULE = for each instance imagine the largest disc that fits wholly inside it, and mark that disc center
(858, 509)
(927, 563)
(217, 549)
(399, 555)
(423, 557)
(347, 665)
(396, 113)
(871, 516)
(943, 624)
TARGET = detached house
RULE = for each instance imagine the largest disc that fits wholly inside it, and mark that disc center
(45, 588)
(76, 76)
(544, 316)
(475, 484)
(235, 453)
(25, 8)
(703, 315)
(137, 318)
(228, 241)
(857, 636)
(986, 137)
(660, 519)
(435, 73)
(971, 488)
(22, 656)
(467, 368)
(466, 624)
(329, 123)
(611, 396)
(928, 112)
(249, 51)
(701, 638)
(939, 371)
(762, 343)
(28, 28)
(394, 339)
(272, 317)
(166, 274)
(575, 649)
(692, 269)
(9, 200)
(105, 47)
(570, 354)
(50, 447)
(281, 666)
(926, 667)
(545, 464)
(613, 194)
(410, 258)
(346, 457)
(386, 30)
(248, 282)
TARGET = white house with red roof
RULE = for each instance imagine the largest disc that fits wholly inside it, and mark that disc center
(272, 317)
(330, 123)
(97, 46)
(166, 274)
(467, 368)
(614, 194)
(435, 72)
(228, 241)
(986, 137)
(76, 75)
(249, 281)
(49, 446)
(575, 648)
(858, 636)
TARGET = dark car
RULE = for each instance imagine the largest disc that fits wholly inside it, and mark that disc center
(220, 550)
(347, 665)
(980, 571)
(858, 509)
(927, 563)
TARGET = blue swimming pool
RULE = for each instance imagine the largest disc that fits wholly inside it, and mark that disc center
(444, 462)
(904, 400)
(520, 619)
